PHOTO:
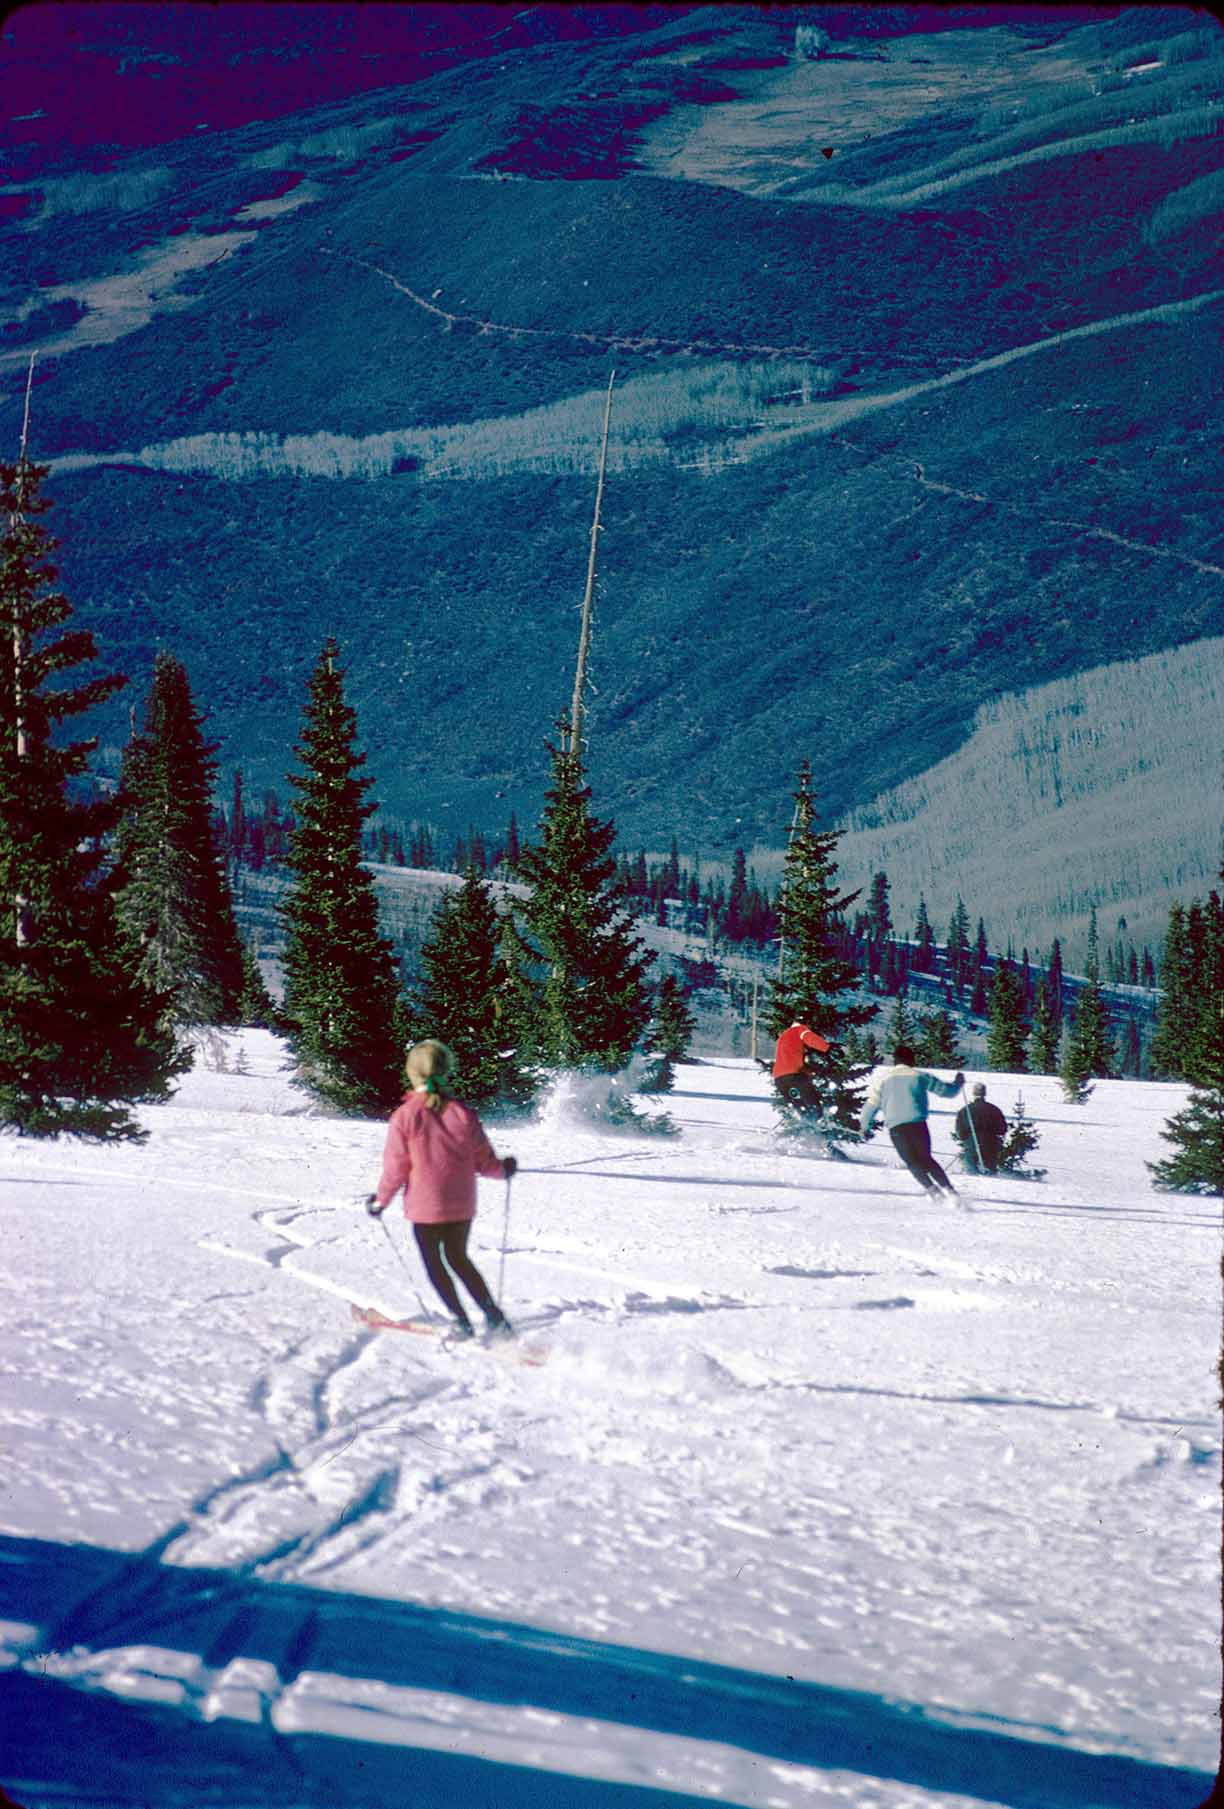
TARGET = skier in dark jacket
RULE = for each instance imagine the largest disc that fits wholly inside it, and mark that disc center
(791, 1079)
(984, 1134)
(901, 1093)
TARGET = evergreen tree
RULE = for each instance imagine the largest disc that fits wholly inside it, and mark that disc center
(816, 982)
(978, 997)
(1089, 1049)
(341, 989)
(734, 923)
(1130, 1055)
(1176, 1011)
(81, 1033)
(879, 915)
(174, 898)
(924, 955)
(462, 999)
(935, 1045)
(594, 1002)
(862, 1048)
(957, 951)
(1008, 1030)
(237, 822)
(1196, 1134)
(671, 1031)
(255, 1005)
(901, 1026)
(1054, 982)
(1047, 1030)
(1021, 1140)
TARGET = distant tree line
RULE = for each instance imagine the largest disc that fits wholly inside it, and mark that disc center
(118, 931)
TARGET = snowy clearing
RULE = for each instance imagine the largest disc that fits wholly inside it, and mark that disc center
(815, 1491)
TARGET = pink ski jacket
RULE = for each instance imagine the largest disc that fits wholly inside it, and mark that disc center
(435, 1157)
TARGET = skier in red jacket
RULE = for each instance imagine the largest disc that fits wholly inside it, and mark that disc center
(794, 1084)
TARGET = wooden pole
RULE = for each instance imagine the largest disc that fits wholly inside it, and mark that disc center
(584, 635)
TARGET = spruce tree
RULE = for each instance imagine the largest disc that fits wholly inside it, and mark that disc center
(1008, 1030)
(671, 1031)
(1021, 1140)
(816, 983)
(594, 1001)
(862, 1048)
(1089, 1049)
(174, 898)
(1047, 1029)
(462, 999)
(924, 936)
(879, 915)
(902, 1027)
(341, 990)
(81, 1033)
(978, 998)
(957, 951)
(255, 1005)
(935, 1045)
(1176, 1008)
(1196, 1134)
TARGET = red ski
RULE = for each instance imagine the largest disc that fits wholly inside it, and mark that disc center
(533, 1356)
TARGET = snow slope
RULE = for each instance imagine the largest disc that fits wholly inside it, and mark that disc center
(817, 1492)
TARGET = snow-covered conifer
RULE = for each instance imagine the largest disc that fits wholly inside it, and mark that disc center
(174, 898)
(1088, 1049)
(82, 1031)
(671, 1031)
(594, 1001)
(464, 996)
(1196, 1134)
(1008, 1030)
(342, 1000)
(816, 983)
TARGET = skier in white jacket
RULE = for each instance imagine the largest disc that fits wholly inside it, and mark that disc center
(901, 1093)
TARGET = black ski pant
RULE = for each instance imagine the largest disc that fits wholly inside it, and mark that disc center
(912, 1143)
(799, 1090)
(444, 1252)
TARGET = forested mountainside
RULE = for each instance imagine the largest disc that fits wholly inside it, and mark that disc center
(915, 324)
(1127, 759)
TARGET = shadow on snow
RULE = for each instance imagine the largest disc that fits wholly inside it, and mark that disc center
(107, 1751)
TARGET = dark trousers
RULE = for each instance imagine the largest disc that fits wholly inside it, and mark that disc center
(444, 1252)
(799, 1090)
(912, 1143)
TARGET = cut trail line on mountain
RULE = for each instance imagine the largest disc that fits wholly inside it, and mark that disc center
(1065, 521)
(632, 342)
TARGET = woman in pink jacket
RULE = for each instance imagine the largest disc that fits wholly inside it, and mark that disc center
(435, 1148)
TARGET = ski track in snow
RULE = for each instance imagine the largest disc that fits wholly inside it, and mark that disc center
(835, 1434)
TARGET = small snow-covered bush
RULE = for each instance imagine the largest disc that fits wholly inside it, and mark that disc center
(810, 42)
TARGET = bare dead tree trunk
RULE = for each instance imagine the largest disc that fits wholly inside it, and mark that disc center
(19, 748)
(574, 742)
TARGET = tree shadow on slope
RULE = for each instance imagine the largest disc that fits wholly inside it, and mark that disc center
(81, 1596)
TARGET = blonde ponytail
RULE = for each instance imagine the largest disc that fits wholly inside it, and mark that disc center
(428, 1069)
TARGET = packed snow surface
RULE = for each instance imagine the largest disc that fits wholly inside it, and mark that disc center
(796, 1487)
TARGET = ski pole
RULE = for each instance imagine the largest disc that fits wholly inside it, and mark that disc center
(972, 1127)
(404, 1260)
(501, 1268)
